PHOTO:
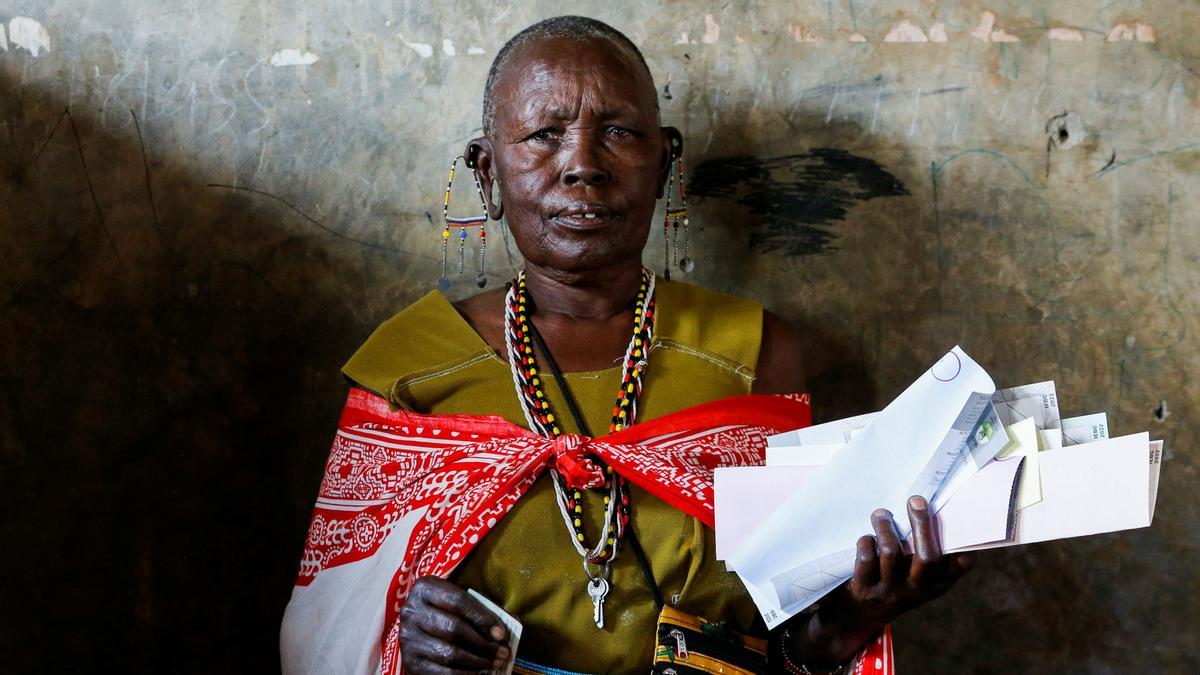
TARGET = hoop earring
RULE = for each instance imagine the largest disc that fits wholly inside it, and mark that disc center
(463, 224)
(672, 221)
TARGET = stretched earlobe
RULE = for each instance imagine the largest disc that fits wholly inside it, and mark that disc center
(672, 150)
(479, 157)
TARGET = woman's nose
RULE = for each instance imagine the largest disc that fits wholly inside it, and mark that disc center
(584, 165)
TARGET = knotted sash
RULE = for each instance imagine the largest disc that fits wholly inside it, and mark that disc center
(407, 495)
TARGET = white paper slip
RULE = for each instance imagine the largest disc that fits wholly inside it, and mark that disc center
(1084, 429)
(1156, 449)
(986, 437)
(513, 626)
(798, 551)
(1023, 443)
(1049, 439)
(1037, 401)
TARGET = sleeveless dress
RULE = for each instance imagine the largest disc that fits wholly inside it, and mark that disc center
(428, 359)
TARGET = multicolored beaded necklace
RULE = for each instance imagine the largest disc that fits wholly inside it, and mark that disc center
(528, 382)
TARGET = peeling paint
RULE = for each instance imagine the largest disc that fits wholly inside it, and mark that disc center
(1125, 33)
(858, 37)
(802, 34)
(683, 38)
(1065, 35)
(984, 30)
(905, 31)
(475, 51)
(987, 31)
(293, 57)
(937, 32)
(423, 49)
(3, 42)
(448, 47)
(28, 34)
(712, 32)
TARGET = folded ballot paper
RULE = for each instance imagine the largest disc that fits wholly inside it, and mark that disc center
(999, 468)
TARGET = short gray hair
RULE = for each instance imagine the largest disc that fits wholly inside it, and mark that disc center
(571, 27)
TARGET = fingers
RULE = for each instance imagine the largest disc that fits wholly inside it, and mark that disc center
(445, 630)
(887, 541)
(927, 552)
(450, 629)
(433, 655)
(449, 597)
(866, 565)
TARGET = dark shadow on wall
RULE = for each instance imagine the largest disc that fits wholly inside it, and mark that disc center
(171, 386)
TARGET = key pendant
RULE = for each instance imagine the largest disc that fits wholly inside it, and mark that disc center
(597, 589)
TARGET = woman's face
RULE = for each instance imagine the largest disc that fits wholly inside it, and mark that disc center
(577, 148)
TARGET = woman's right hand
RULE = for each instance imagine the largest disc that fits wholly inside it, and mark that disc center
(444, 630)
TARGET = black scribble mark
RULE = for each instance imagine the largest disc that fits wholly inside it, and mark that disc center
(794, 200)
(943, 90)
(1049, 147)
(667, 91)
(92, 189)
(1112, 159)
(146, 166)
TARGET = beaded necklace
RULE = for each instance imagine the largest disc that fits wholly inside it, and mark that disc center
(519, 336)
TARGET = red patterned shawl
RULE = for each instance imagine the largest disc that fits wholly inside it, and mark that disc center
(407, 495)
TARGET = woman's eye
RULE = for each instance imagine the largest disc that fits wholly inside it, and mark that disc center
(619, 132)
(543, 134)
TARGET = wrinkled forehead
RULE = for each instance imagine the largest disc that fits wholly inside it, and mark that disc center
(566, 72)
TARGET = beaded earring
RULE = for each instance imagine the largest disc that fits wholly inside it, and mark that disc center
(462, 224)
(672, 221)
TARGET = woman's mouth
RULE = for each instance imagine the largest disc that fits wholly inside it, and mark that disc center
(585, 217)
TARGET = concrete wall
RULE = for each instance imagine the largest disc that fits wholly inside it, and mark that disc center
(196, 234)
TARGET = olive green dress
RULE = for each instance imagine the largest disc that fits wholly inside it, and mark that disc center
(705, 346)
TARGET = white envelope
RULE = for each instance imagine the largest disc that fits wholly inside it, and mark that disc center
(1105, 486)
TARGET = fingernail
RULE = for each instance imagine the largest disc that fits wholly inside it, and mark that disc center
(501, 656)
(916, 503)
(497, 632)
(882, 513)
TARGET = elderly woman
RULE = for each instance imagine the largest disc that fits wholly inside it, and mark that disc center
(573, 155)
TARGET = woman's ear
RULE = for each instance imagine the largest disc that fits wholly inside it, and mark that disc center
(672, 149)
(478, 156)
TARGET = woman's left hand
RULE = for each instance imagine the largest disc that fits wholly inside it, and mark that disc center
(887, 582)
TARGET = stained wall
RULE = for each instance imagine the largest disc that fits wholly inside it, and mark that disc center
(205, 207)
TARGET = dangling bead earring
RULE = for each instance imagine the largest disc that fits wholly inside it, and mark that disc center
(685, 263)
(462, 224)
(674, 218)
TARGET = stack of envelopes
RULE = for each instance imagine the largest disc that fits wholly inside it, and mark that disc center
(999, 468)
